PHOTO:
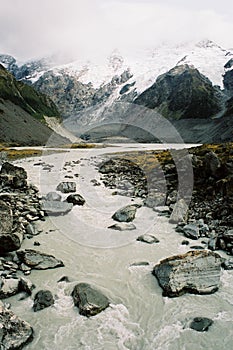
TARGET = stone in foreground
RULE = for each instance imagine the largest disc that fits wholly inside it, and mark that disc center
(179, 213)
(37, 260)
(150, 239)
(66, 186)
(125, 214)
(56, 208)
(195, 272)
(201, 324)
(14, 332)
(123, 226)
(89, 300)
(42, 300)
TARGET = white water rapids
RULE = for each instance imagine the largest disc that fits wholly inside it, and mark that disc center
(139, 317)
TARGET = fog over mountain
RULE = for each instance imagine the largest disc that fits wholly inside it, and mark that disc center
(32, 28)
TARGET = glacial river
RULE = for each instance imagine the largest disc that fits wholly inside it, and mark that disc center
(139, 317)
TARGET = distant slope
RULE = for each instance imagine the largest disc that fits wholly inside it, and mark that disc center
(22, 111)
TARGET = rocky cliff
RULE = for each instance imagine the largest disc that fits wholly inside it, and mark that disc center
(22, 111)
(182, 93)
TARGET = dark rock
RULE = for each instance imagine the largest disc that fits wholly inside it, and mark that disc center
(15, 333)
(75, 199)
(123, 226)
(56, 208)
(191, 231)
(26, 286)
(125, 214)
(37, 260)
(197, 247)
(9, 240)
(212, 164)
(212, 244)
(229, 64)
(64, 279)
(53, 196)
(36, 243)
(201, 324)
(183, 92)
(13, 176)
(150, 239)
(228, 264)
(184, 242)
(195, 272)
(42, 300)
(140, 263)
(67, 187)
(89, 300)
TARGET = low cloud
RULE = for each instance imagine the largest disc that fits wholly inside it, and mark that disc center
(33, 28)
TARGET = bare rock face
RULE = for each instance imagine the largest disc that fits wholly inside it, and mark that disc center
(14, 332)
(195, 272)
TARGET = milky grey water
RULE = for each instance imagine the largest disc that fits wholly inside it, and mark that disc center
(139, 317)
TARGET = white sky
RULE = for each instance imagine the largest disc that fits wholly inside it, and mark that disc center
(34, 28)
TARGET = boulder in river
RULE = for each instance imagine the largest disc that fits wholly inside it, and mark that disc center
(195, 272)
(43, 299)
(150, 239)
(66, 186)
(125, 214)
(200, 324)
(191, 231)
(53, 196)
(56, 208)
(14, 332)
(123, 226)
(37, 260)
(75, 199)
(89, 300)
(9, 240)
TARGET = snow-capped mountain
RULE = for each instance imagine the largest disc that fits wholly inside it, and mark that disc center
(85, 89)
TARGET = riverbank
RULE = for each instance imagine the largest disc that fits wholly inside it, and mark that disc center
(119, 265)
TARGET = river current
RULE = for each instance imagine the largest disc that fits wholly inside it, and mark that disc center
(139, 317)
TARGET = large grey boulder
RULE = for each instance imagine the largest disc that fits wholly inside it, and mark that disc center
(66, 186)
(56, 208)
(14, 332)
(53, 196)
(179, 213)
(9, 240)
(195, 272)
(90, 301)
(125, 214)
(37, 260)
(42, 300)
(200, 324)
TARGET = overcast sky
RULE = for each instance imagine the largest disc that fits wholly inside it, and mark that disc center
(34, 28)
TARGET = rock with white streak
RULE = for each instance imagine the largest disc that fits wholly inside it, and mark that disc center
(195, 272)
